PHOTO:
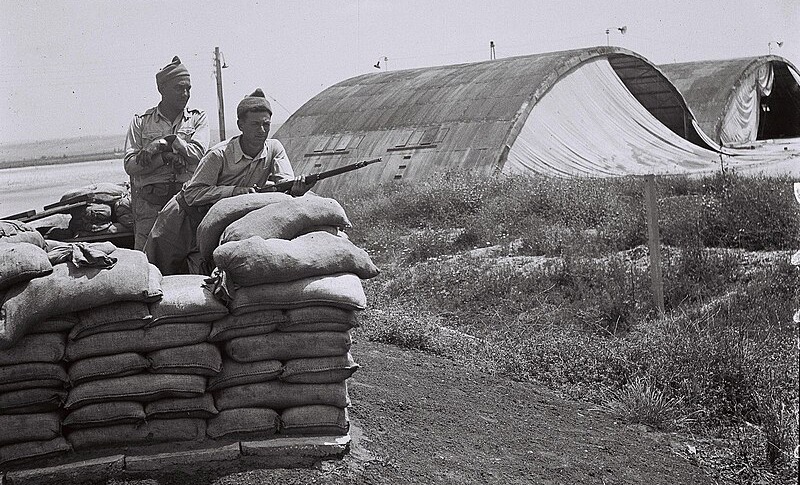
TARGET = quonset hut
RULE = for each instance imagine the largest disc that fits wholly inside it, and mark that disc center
(739, 101)
(601, 111)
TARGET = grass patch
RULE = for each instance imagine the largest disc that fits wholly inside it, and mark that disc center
(547, 280)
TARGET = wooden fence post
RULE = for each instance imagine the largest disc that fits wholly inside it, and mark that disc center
(654, 242)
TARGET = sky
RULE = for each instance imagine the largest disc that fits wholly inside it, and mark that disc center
(82, 68)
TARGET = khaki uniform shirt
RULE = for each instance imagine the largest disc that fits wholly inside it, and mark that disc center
(191, 125)
(226, 168)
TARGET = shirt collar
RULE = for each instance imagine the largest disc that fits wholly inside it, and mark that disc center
(185, 114)
(239, 155)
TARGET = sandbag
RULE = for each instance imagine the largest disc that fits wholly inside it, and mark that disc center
(255, 323)
(32, 374)
(243, 423)
(201, 359)
(35, 400)
(151, 432)
(13, 232)
(285, 346)
(341, 290)
(319, 319)
(287, 219)
(226, 211)
(186, 299)
(237, 373)
(107, 366)
(143, 340)
(281, 395)
(71, 289)
(19, 428)
(192, 407)
(154, 291)
(126, 315)
(315, 420)
(22, 262)
(255, 260)
(104, 192)
(319, 370)
(56, 324)
(105, 414)
(139, 388)
(19, 452)
(42, 347)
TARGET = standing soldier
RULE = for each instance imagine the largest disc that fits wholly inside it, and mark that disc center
(163, 148)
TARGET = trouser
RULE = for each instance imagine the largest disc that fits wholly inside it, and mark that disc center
(172, 245)
(146, 202)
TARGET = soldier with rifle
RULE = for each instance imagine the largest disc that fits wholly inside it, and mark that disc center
(247, 163)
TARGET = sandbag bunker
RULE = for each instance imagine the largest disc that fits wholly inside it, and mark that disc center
(99, 351)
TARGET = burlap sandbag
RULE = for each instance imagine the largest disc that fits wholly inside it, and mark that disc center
(105, 414)
(341, 290)
(319, 319)
(13, 232)
(19, 428)
(72, 289)
(255, 260)
(319, 370)
(201, 359)
(144, 340)
(22, 262)
(20, 452)
(104, 192)
(32, 374)
(191, 407)
(315, 420)
(226, 211)
(287, 219)
(56, 324)
(154, 291)
(281, 395)
(288, 345)
(139, 388)
(126, 315)
(255, 323)
(238, 373)
(36, 400)
(107, 366)
(151, 432)
(41, 347)
(186, 300)
(243, 424)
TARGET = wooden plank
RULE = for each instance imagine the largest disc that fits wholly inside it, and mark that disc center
(654, 242)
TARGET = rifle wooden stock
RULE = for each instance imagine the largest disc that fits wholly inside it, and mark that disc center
(286, 185)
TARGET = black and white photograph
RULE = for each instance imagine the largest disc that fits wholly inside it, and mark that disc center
(371, 242)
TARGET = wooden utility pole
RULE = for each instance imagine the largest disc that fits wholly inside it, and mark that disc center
(654, 242)
(220, 102)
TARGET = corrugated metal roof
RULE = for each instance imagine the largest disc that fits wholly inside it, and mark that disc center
(709, 86)
(482, 107)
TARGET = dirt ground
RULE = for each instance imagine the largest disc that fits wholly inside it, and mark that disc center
(419, 419)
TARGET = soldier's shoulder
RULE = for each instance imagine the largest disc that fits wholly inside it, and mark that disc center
(148, 112)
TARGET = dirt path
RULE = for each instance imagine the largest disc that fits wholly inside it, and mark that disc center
(419, 419)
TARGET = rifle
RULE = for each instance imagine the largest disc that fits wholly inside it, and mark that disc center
(286, 185)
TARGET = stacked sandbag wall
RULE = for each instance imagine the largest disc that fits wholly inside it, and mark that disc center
(42, 294)
(293, 280)
(97, 357)
(139, 372)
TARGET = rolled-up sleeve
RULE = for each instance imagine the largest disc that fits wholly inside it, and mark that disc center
(202, 188)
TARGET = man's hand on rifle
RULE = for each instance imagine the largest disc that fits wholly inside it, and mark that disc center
(300, 186)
